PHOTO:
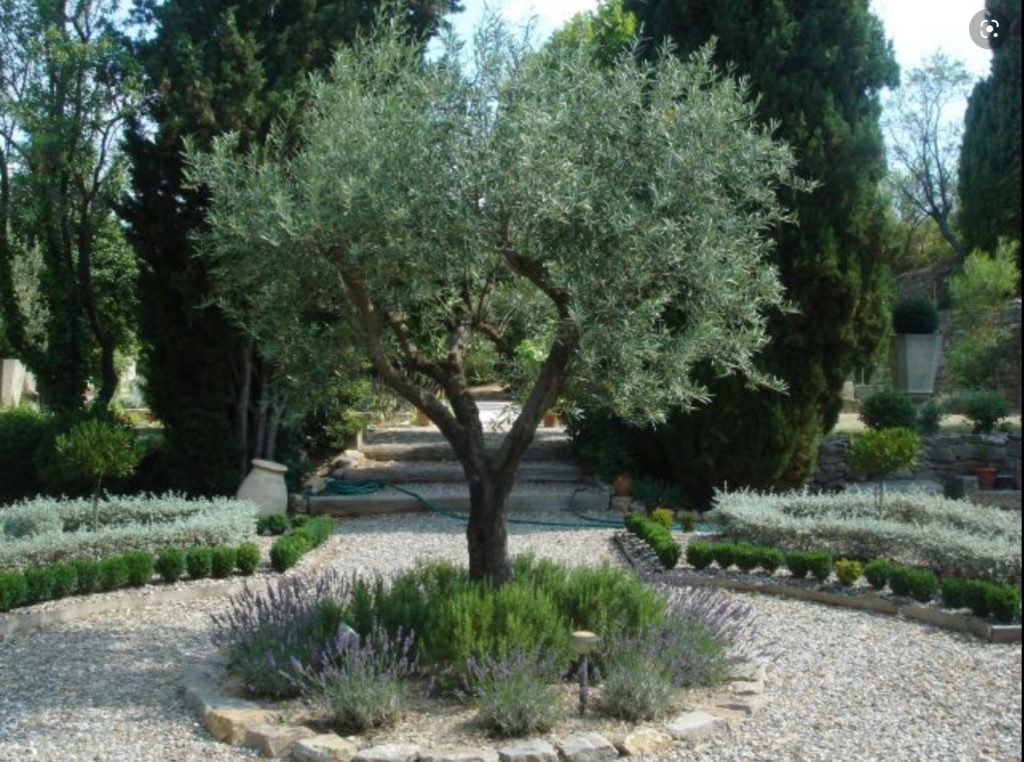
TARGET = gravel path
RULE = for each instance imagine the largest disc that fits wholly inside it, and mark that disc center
(847, 685)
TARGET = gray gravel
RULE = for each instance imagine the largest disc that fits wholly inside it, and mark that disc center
(845, 685)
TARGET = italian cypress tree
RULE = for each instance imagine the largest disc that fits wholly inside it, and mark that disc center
(818, 67)
(216, 66)
(991, 153)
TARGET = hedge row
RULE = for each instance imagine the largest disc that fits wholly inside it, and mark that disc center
(133, 569)
(306, 533)
(1002, 602)
(657, 536)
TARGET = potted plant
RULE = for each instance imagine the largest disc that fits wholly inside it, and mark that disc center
(985, 471)
(914, 351)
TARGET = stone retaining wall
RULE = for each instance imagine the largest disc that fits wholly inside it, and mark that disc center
(943, 457)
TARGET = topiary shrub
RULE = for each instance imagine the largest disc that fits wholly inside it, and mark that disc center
(954, 593)
(919, 584)
(848, 572)
(915, 314)
(247, 559)
(819, 564)
(929, 417)
(222, 561)
(699, 554)
(799, 563)
(114, 573)
(275, 523)
(1003, 603)
(881, 452)
(984, 409)
(199, 562)
(888, 410)
(687, 520)
(65, 580)
(662, 516)
(286, 552)
(724, 554)
(13, 590)
(770, 559)
(170, 564)
(40, 581)
(140, 568)
(88, 573)
(747, 557)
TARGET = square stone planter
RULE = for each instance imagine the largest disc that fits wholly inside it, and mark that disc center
(914, 359)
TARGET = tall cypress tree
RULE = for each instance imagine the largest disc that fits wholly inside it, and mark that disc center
(818, 66)
(216, 66)
(991, 153)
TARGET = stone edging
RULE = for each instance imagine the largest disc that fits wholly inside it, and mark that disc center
(994, 633)
(239, 722)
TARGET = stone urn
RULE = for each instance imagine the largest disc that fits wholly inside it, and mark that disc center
(265, 486)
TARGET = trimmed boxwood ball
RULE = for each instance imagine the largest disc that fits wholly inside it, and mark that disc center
(888, 410)
(699, 554)
(724, 554)
(13, 590)
(687, 521)
(40, 581)
(286, 552)
(799, 563)
(170, 564)
(247, 559)
(1003, 603)
(770, 559)
(114, 573)
(915, 314)
(820, 564)
(199, 562)
(876, 572)
(88, 573)
(747, 557)
(65, 580)
(222, 561)
(848, 571)
(919, 584)
(140, 568)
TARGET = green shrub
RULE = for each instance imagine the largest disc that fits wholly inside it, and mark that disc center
(687, 520)
(114, 573)
(848, 571)
(799, 563)
(516, 698)
(954, 593)
(170, 564)
(919, 584)
(888, 410)
(655, 493)
(976, 596)
(40, 581)
(65, 580)
(13, 590)
(876, 572)
(724, 554)
(820, 564)
(286, 551)
(984, 409)
(915, 314)
(199, 562)
(275, 523)
(635, 689)
(699, 554)
(247, 559)
(140, 568)
(770, 559)
(881, 452)
(88, 573)
(747, 557)
(21, 431)
(222, 561)
(929, 417)
(662, 516)
(658, 537)
(1003, 603)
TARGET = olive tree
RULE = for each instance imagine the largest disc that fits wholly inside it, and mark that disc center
(622, 214)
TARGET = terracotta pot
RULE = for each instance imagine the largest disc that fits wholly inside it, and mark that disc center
(420, 419)
(986, 476)
(550, 419)
(622, 485)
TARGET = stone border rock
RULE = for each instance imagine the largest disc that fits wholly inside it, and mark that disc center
(639, 556)
(240, 722)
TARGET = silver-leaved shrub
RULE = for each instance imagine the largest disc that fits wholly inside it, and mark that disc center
(51, 530)
(953, 537)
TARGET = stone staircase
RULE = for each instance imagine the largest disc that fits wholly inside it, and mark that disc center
(420, 460)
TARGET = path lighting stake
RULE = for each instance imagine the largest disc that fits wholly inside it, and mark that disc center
(584, 643)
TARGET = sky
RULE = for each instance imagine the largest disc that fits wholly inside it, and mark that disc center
(917, 28)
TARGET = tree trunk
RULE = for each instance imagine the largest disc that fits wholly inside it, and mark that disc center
(487, 533)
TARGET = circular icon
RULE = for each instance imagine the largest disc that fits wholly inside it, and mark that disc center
(989, 29)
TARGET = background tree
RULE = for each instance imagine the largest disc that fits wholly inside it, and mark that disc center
(817, 68)
(215, 66)
(629, 209)
(66, 88)
(991, 156)
(925, 139)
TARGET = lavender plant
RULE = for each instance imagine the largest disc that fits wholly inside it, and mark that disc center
(358, 682)
(515, 695)
(268, 633)
(636, 687)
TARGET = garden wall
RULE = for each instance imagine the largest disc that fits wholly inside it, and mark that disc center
(942, 457)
